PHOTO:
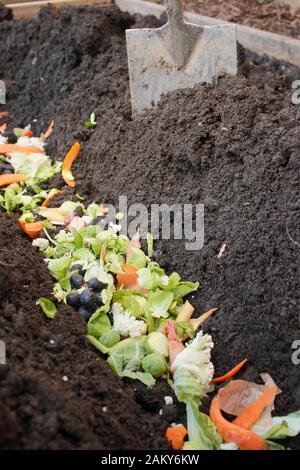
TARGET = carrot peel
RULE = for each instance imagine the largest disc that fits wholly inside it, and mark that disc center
(6, 180)
(67, 165)
(252, 412)
(231, 373)
(32, 229)
(15, 148)
(129, 278)
(246, 440)
(48, 131)
(50, 196)
(175, 435)
(27, 133)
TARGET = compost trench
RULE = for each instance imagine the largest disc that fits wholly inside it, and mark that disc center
(233, 147)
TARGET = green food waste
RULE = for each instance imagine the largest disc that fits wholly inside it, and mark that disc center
(131, 306)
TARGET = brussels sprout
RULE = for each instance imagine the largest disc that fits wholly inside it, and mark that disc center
(155, 364)
(110, 338)
(157, 342)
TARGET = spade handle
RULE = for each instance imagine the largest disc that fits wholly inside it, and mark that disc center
(174, 12)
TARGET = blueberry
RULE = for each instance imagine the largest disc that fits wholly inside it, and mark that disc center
(77, 267)
(96, 285)
(87, 299)
(79, 211)
(84, 313)
(111, 317)
(98, 300)
(77, 281)
(6, 168)
(73, 299)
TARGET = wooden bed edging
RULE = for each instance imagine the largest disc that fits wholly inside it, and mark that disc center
(261, 42)
(25, 9)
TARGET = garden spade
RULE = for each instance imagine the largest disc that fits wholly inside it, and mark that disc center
(177, 55)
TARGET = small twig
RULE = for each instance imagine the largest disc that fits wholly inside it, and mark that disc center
(292, 240)
(6, 264)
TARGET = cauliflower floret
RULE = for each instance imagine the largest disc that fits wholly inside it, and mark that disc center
(77, 223)
(31, 142)
(41, 243)
(126, 324)
(195, 359)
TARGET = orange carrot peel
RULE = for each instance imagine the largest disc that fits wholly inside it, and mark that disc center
(252, 412)
(27, 133)
(48, 131)
(129, 278)
(15, 148)
(32, 229)
(175, 435)
(6, 180)
(231, 373)
(245, 439)
(51, 196)
(67, 165)
(4, 113)
(250, 403)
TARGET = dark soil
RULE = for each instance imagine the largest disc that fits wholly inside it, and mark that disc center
(234, 147)
(5, 13)
(270, 15)
(54, 388)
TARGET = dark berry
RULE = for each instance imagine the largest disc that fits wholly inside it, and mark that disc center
(12, 138)
(96, 285)
(111, 317)
(79, 211)
(87, 299)
(73, 299)
(98, 300)
(77, 281)
(84, 313)
(77, 267)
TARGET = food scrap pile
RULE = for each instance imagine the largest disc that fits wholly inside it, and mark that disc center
(135, 312)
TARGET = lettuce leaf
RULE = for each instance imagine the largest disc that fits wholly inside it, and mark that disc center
(114, 262)
(201, 430)
(125, 359)
(151, 276)
(48, 307)
(283, 426)
(59, 267)
(184, 288)
(137, 258)
(159, 303)
(132, 301)
(97, 271)
(99, 325)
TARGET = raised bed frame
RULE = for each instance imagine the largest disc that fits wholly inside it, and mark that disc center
(261, 42)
